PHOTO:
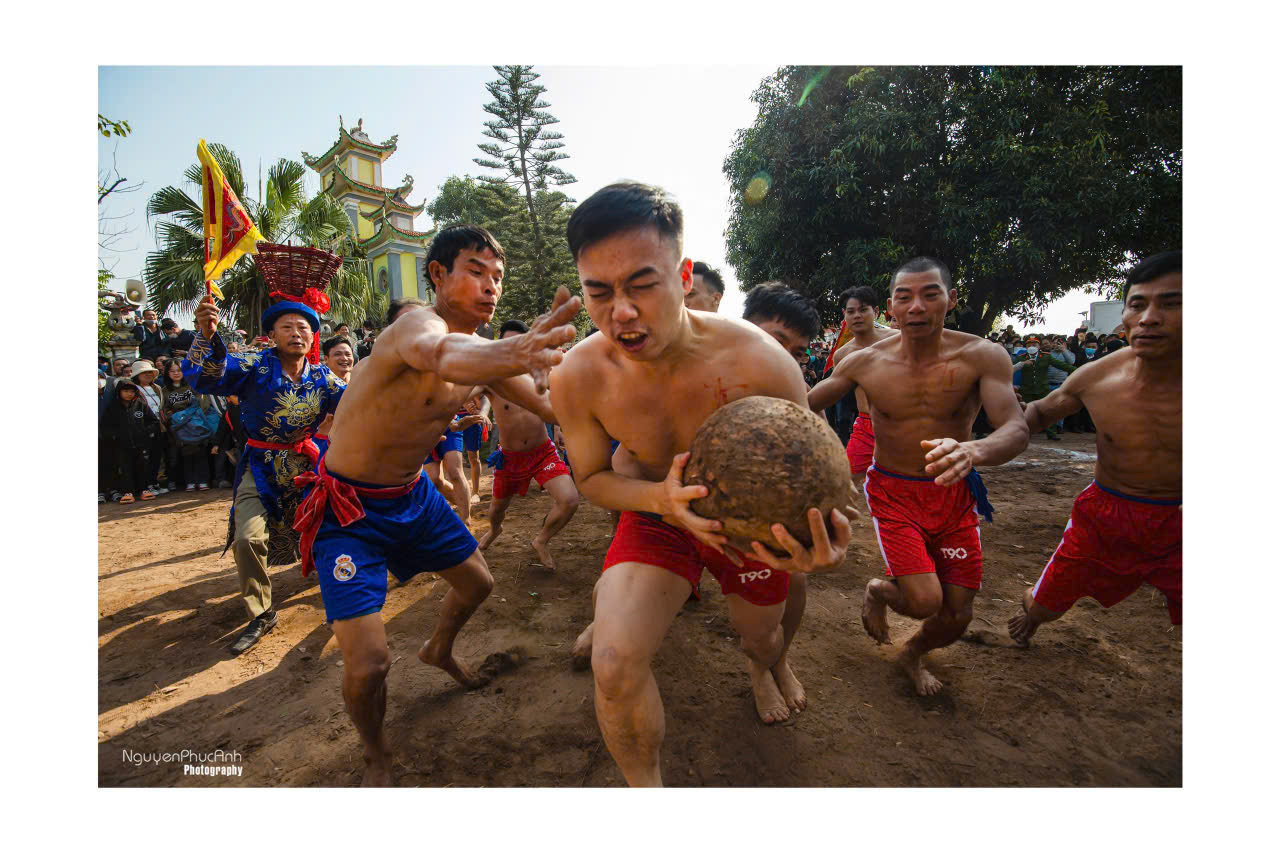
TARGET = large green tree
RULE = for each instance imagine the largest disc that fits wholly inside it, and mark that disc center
(531, 278)
(174, 274)
(1027, 181)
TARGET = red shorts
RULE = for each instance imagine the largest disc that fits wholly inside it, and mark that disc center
(542, 463)
(643, 539)
(1112, 545)
(862, 445)
(924, 528)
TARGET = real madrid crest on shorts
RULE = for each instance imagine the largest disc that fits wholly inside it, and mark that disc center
(343, 568)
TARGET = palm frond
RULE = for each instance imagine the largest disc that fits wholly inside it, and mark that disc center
(286, 185)
(171, 201)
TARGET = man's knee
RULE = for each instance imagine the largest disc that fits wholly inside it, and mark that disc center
(249, 542)
(474, 584)
(367, 669)
(920, 602)
(569, 502)
(957, 615)
(762, 644)
(620, 671)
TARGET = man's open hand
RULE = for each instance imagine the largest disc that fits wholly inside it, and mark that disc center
(539, 348)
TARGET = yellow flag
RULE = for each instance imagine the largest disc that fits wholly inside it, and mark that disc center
(228, 231)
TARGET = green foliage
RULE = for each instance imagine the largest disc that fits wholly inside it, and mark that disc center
(530, 282)
(104, 327)
(1027, 181)
(531, 230)
(108, 126)
(174, 274)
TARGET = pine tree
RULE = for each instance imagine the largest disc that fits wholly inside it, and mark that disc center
(532, 229)
(525, 151)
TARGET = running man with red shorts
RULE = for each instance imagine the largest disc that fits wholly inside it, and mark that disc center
(650, 378)
(860, 319)
(924, 387)
(525, 453)
(1126, 527)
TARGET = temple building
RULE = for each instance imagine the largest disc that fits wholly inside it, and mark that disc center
(382, 218)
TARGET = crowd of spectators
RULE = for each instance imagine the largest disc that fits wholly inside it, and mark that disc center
(155, 433)
(1042, 362)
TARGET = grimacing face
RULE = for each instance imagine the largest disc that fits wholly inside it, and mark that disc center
(633, 290)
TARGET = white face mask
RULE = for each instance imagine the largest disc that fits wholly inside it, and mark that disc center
(102, 382)
(1031, 351)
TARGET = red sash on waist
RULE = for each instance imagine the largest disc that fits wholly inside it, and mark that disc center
(306, 447)
(342, 496)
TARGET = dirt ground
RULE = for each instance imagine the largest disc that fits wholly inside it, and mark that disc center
(1096, 701)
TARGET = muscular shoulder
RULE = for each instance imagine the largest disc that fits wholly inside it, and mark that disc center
(583, 368)
(985, 355)
(1095, 374)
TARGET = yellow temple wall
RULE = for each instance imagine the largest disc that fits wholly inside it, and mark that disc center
(366, 227)
(380, 264)
(409, 275)
(365, 170)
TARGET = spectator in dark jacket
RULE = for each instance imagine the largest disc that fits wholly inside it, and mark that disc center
(152, 341)
(179, 339)
(129, 427)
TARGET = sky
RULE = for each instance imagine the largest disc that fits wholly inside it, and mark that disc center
(665, 125)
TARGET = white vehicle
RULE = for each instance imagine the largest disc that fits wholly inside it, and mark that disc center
(1105, 316)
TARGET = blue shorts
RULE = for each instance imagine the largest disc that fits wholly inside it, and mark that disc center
(417, 532)
(452, 441)
(472, 438)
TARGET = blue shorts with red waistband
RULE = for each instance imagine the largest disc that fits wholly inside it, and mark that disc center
(407, 535)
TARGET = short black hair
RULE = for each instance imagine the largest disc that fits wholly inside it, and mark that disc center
(328, 345)
(512, 326)
(620, 206)
(169, 323)
(1091, 338)
(860, 292)
(923, 263)
(1152, 268)
(452, 240)
(710, 275)
(340, 325)
(773, 300)
(396, 304)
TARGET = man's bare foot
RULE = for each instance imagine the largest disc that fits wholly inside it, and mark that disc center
(874, 618)
(770, 705)
(1020, 626)
(544, 554)
(377, 774)
(460, 672)
(789, 686)
(581, 651)
(489, 536)
(913, 663)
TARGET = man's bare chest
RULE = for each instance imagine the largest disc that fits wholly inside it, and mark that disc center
(938, 389)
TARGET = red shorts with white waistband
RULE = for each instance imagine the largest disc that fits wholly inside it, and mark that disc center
(642, 538)
(542, 463)
(1113, 544)
(862, 445)
(924, 528)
